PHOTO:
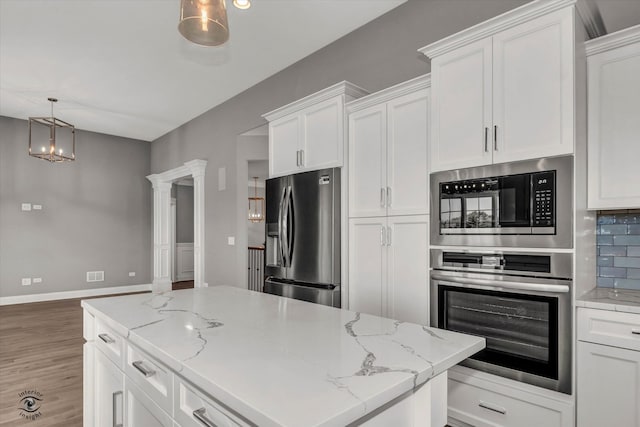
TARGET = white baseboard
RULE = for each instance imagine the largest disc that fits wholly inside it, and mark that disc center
(51, 296)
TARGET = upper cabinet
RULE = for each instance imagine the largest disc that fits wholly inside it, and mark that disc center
(614, 120)
(388, 151)
(309, 134)
(504, 90)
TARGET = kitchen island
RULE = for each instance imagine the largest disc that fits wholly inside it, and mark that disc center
(228, 356)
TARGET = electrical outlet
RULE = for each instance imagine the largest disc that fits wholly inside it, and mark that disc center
(37, 207)
(132, 274)
(37, 280)
(26, 281)
(231, 240)
(26, 206)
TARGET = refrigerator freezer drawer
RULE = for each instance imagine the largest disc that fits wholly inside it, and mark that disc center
(324, 296)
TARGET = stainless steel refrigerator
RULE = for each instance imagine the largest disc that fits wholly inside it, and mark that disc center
(302, 258)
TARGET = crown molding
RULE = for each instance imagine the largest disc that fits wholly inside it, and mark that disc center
(614, 40)
(591, 18)
(495, 25)
(342, 88)
(384, 95)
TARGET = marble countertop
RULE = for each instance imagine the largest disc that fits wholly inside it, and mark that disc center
(279, 361)
(625, 300)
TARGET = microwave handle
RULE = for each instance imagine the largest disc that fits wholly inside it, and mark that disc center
(539, 287)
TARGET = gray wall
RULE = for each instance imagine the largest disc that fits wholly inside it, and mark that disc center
(375, 56)
(96, 213)
(184, 213)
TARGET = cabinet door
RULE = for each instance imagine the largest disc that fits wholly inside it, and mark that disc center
(408, 275)
(140, 410)
(461, 110)
(323, 135)
(614, 127)
(533, 89)
(284, 137)
(407, 154)
(608, 386)
(367, 265)
(109, 388)
(368, 162)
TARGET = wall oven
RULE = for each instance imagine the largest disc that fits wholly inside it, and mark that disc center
(519, 302)
(524, 204)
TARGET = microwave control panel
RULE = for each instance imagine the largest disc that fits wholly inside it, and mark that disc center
(543, 184)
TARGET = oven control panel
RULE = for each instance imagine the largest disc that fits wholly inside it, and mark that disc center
(543, 184)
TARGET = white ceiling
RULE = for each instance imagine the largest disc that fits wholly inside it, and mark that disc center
(122, 68)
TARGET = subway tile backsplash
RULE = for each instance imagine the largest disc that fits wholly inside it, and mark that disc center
(618, 239)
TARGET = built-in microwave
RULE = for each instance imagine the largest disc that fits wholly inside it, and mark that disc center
(522, 204)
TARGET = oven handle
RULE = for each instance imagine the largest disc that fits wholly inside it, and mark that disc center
(540, 287)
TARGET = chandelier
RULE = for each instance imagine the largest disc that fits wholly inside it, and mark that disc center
(256, 204)
(61, 144)
(205, 22)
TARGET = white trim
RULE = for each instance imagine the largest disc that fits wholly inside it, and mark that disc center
(53, 296)
(497, 24)
(614, 40)
(342, 88)
(384, 95)
(162, 228)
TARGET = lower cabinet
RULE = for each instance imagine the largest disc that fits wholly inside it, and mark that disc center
(140, 410)
(608, 368)
(109, 392)
(389, 267)
(481, 402)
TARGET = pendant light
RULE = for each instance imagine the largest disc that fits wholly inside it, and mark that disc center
(256, 204)
(204, 22)
(61, 143)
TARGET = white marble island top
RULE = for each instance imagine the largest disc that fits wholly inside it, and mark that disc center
(279, 361)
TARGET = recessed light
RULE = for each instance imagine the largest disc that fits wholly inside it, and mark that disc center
(242, 4)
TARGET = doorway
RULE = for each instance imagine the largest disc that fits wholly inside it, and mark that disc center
(182, 263)
(258, 171)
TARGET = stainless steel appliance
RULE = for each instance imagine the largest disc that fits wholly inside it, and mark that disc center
(520, 302)
(520, 204)
(302, 258)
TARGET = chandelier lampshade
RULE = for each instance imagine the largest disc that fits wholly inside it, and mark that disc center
(52, 139)
(256, 204)
(204, 22)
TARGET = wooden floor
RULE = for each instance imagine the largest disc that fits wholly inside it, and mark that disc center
(41, 349)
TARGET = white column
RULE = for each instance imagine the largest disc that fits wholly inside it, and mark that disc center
(161, 234)
(197, 168)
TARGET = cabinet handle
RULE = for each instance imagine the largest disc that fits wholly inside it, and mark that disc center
(495, 137)
(200, 415)
(298, 158)
(492, 407)
(635, 331)
(106, 338)
(389, 196)
(115, 408)
(382, 239)
(382, 198)
(144, 371)
(302, 158)
(388, 236)
(486, 139)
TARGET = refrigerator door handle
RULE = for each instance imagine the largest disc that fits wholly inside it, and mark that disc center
(290, 230)
(281, 227)
(285, 227)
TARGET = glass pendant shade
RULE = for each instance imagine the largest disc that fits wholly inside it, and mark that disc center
(256, 205)
(52, 139)
(204, 22)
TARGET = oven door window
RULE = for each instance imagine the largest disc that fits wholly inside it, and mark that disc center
(521, 330)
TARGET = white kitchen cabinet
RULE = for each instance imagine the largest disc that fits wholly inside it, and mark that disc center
(613, 126)
(484, 400)
(388, 151)
(141, 410)
(608, 368)
(108, 392)
(309, 134)
(388, 267)
(504, 90)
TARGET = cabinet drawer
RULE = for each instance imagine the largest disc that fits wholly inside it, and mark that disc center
(483, 408)
(609, 328)
(151, 376)
(109, 342)
(193, 409)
